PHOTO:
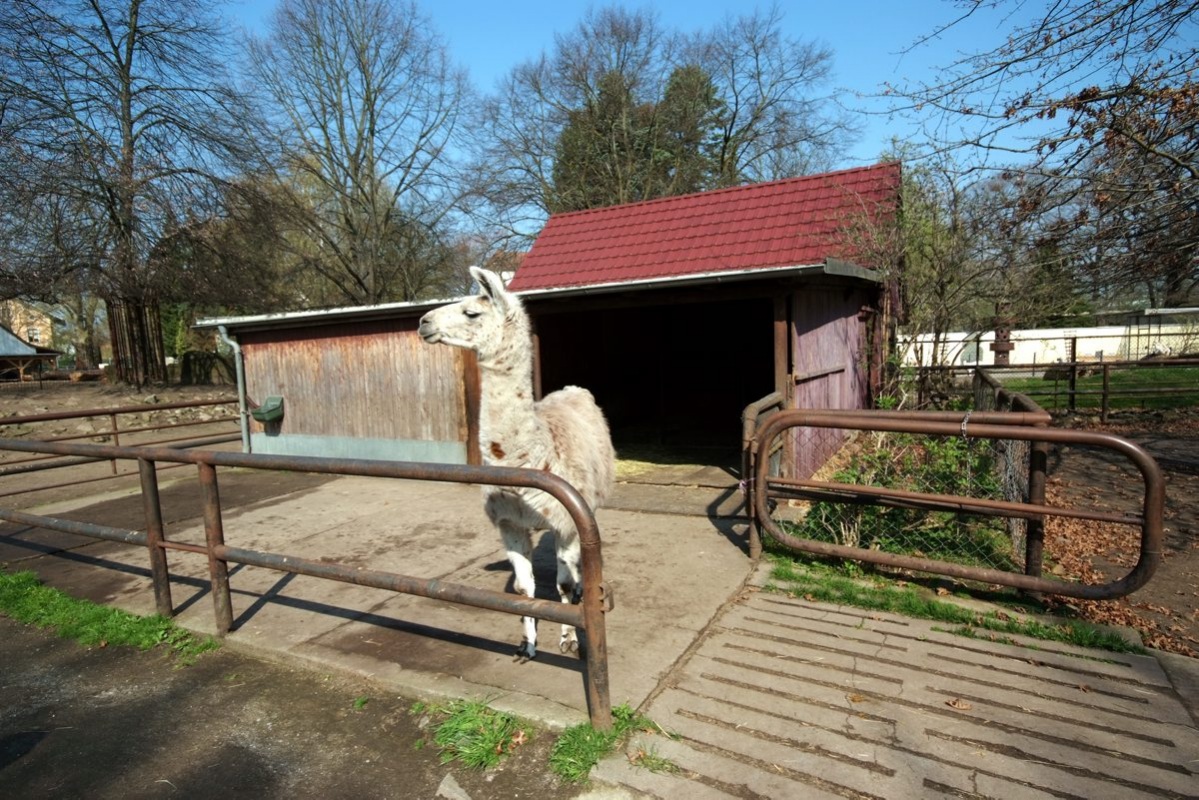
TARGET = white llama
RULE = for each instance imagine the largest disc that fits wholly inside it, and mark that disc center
(564, 433)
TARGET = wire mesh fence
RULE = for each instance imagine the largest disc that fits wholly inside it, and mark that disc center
(933, 491)
(893, 464)
(955, 466)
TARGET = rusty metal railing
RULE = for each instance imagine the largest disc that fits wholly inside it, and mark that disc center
(113, 432)
(587, 616)
(751, 419)
(769, 489)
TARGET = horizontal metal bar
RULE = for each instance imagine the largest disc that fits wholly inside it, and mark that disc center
(81, 481)
(1150, 522)
(451, 473)
(1024, 367)
(985, 417)
(901, 498)
(167, 544)
(1112, 392)
(104, 412)
(42, 464)
(564, 613)
(122, 535)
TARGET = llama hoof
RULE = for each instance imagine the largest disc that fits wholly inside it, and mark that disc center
(525, 651)
(569, 645)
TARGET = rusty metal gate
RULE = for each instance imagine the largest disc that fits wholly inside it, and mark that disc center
(588, 616)
(766, 489)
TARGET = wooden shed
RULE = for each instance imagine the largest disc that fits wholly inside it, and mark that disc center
(676, 313)
(353, 383)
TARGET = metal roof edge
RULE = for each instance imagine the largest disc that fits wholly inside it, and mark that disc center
(329, 316)
(841, 269)
(322, 316)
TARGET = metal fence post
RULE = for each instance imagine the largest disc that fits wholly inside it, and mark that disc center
(116, 439)
(1034, 531)
(599, 702)
(1073, 384)
(1107, 387)
(214, 535)
(152, 508)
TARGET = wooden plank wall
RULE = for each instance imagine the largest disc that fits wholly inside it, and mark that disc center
(372, 380)
(828, 365)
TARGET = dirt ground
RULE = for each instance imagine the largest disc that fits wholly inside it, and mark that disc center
(1166, 610)
(121, 723)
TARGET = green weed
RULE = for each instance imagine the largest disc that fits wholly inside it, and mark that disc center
(24, 598)
(475, 734)
(580, 747)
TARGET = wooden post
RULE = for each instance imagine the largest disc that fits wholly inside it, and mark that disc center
(1107, 377)
(1073, 385)
(783, 382)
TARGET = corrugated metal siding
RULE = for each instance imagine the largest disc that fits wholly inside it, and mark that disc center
(828, 347)
(374, 381)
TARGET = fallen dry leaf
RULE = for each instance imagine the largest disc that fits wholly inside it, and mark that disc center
(959, 704)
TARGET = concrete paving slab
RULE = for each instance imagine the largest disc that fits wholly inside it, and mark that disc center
(435, 531)
(785, 697)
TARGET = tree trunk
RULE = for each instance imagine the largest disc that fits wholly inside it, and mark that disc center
(137, 353)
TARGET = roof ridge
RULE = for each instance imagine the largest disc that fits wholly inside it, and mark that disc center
(707, 193)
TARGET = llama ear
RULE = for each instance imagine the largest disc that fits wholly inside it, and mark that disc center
(491, 285)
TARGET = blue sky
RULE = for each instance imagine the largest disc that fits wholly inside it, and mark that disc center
(867, 38)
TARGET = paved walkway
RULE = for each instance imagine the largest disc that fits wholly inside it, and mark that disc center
(786, 698)
(769, 696)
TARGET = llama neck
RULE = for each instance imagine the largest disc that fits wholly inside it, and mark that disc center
(507, 421)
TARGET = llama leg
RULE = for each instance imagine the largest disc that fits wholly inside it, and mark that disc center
(570, 585)
(519, 543)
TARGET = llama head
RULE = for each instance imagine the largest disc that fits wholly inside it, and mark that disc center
(480, 322)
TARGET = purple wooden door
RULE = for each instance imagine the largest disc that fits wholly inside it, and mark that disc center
(828, 367)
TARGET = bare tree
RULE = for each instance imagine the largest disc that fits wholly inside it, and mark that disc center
(366, 104)
(1095, 103)
(776, 122)
(619, 94)
(124, 119)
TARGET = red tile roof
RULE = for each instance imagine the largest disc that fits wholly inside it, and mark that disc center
(793, 222)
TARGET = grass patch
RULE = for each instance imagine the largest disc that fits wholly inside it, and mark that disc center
(824, 584)
(580, 747)
(1054, 395)
(26, 599)
(472, 732)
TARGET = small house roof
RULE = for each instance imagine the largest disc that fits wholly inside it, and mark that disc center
(13, 346)
(788, 223)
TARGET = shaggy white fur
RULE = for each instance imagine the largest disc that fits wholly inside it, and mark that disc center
(564, 433)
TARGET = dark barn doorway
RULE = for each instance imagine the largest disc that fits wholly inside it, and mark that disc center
(671, 378)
